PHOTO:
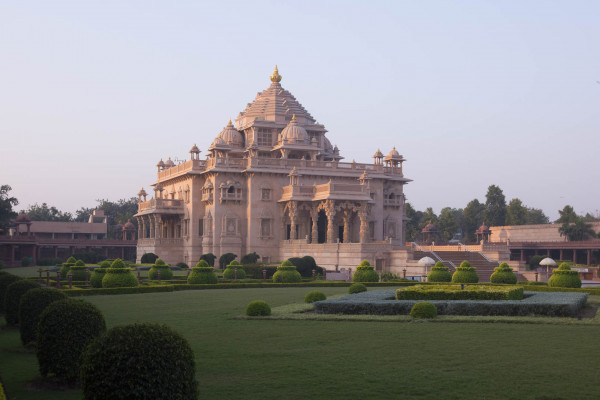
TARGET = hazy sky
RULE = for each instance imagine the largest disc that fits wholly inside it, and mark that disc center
(472, 93)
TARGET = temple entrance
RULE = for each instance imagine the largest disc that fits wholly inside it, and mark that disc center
(322, 227)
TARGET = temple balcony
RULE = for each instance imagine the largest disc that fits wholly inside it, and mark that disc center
(329, 190)
(160, 206)
(395, 202)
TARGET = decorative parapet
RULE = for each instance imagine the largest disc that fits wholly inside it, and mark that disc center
(163, 206)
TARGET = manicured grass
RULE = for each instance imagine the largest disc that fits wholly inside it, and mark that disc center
(299, 359)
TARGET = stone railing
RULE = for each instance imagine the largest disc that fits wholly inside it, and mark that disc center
(160, 204)
(160, 242)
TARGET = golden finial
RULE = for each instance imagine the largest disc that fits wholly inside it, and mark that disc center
(229, 123)
(293, 117)
(276, 77)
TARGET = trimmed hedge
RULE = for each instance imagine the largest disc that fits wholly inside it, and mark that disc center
(255, 271)
(5, 281)
(365, 273)
(78, 272)
(357, 288)
(229, 272)
(119, 277)
(564, 277)
(139, 361)
(465, 273)
(32, 303)
(439, 273)
(97, 276)
(313, 296)
(258, 308)
(286, 273)
(455, 292)
(202, 273)
(424, 310)
(65, 329)
(503, 274)
(165, 271)
(12, 298)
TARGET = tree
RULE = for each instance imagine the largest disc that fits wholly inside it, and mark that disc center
(447, 225)
(567, 215)
(42, 212)
(473, 218)
(413, 223)
(516, 213)
(578, 230)
(536, 216)
(6, 205)
(495, 206)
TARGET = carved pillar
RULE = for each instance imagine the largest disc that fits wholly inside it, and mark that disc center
(330, 212)
(314, 215)
(157, 224)
(293, 212)
(363, 214)
(347, 233)
(142, 228)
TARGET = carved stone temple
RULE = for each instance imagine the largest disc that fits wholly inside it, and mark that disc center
(273, 183)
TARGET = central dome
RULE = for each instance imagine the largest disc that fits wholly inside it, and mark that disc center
(294, 133)
(231, 136)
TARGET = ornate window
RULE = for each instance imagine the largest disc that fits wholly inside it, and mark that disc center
(230, 191)
(265, 194)
(230, 225)
(264, 137)
(201, 227)
(207, 192)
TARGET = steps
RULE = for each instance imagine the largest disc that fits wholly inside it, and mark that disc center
(483, 267)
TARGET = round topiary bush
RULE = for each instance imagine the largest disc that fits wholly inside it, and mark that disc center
(12, 297)
(65, 329)
(229, 272)
(148, 258)
(423, 309)
(139, 361)
(66, 267)
(313, 296)
(465, 274)
(503, 274)
(119, 277)
(357, 288)
(118, 263)
(202, 273)
(165, 271)
(286, 273)
(365, 273)
(564, 277)
(439, 273)
(97, 276)
(78, 271)
(258, 307)
(32, 303)
(5, 280)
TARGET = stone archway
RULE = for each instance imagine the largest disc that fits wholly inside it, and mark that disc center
(322, 227)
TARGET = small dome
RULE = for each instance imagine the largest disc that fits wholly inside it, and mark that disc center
(142, 192)
(169, 163)
(328, 148)
(231, 136)
(23, 218)
(429, 228)
(294, 133)
(129, 226)
(483, 228)
(161, 163)
(393, 155)
(378, 154)
(118, 227)
(195, 149)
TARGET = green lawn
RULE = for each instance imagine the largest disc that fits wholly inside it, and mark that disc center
(300, 359)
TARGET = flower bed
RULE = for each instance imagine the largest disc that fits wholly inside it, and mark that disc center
(459, 292)
(383, 302)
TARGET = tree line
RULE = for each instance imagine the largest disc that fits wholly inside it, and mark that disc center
(463, 222)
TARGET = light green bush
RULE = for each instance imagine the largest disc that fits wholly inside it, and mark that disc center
(465, 274)
(257, 308)
(423, 309)
(365, 273)
(439, 273)
(313, 296)
(287, 273)
(503, 274)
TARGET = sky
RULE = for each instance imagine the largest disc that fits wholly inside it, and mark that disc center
(471, 93)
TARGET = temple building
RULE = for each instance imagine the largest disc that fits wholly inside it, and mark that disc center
(272, 183)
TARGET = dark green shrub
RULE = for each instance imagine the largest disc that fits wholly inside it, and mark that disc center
(88, 257)
(119, 277)
(160, 365)
(305, 265)
(225, 259)
(313, 296)
(503, 274)
(258, 307)
(65, 269)
(439, 273)
(286, 273)
(365, 273)
(65, 329)
(229, 272)
(209, 258)
(182, 265)
(255, 271)
(71, 260)
(423, 309)
(357, 288)
(48, 261)
(465, 274)
(118, 263)
(534, 261)
(148, 258)
(97, 276)
(32, 303)
(202, 273)
(5, 280)
(564, 277)
(250, 258)
(104, 264)
(78, 271)
(165, 271)
(25, 261)
(12, 297)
